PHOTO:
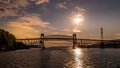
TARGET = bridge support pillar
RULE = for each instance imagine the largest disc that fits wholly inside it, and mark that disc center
(74, 40)
(42, 40)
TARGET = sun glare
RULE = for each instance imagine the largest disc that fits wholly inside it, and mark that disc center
(78, 55)
(78, 20)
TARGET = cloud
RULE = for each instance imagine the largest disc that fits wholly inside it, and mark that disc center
(12, 8)
(14, 4)
(29, 25)
(5, 12)
(61, 33)
(78, 13)
(21, 26)
(41, 1)
(76, 30)
(16, 7)
(20, 30)
(50, 27)
(117, 34)
(62, 5)
(67, 30)
(33, 20)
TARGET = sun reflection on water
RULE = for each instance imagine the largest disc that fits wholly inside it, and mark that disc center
(78, 60)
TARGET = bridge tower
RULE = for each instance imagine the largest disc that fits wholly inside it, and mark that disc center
(74, 40)
(42, 40)
(102, 41)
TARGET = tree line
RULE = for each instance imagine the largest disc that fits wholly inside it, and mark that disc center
(8, 41)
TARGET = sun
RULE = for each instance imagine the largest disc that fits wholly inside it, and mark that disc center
(78, 20)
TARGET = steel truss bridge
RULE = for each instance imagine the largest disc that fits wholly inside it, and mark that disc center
(39, 42)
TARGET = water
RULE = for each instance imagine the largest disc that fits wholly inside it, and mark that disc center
(61, 57)
(98, 58)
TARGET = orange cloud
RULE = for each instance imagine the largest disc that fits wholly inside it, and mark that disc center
(76, 30)
(23, 26)
(41, 1)
(33, 20)
(117, 36)
(21, 30)
(20, 26)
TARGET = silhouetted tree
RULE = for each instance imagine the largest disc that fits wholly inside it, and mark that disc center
(7, 40)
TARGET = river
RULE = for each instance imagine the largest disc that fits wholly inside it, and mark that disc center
(61, 57)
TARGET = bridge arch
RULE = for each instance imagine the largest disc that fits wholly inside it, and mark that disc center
(59, 38)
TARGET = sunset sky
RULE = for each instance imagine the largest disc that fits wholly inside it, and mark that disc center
(29, 18)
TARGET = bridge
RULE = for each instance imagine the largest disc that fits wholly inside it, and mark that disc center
(39, 42)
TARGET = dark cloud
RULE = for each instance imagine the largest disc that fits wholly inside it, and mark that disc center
(12, 7)
(16, 7)
(2, 9)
